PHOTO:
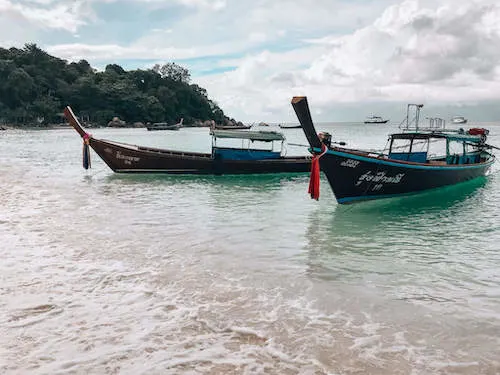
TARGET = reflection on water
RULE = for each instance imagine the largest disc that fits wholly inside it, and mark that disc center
(376, 221)
(408, 243)
(414, 211)
(263, 181)
(432, 250)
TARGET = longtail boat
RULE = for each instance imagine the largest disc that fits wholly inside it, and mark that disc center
(128, 158)
(415, 159)
(283, 126)
(164, 126)
(233, 127)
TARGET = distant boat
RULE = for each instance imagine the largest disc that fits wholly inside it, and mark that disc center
(263, 124)
(233, 127)
(375, 120)
(165, 126)
(290, 126)
(458, 120)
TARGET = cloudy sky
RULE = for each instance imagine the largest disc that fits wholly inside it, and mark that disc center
(352, 58)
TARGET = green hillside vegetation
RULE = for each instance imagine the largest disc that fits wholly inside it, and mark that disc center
(35, 87)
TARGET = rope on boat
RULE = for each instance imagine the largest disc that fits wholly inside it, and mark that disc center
(315, 173)
(86, 151)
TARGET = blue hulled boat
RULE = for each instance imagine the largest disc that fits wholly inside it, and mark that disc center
(415, 159)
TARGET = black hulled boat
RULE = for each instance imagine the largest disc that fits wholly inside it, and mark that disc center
(411, 163)
(283, 126)
(165, 126)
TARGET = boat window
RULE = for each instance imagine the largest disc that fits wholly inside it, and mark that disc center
(400, 145)
(455, 148)
(405, 149)
(437, 148)
(419, 145)
(470, 147)
(456, 153)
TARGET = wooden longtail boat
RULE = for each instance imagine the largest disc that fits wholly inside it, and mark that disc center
(410, 164)
(127, 158)
(233, 127)
(165, 126)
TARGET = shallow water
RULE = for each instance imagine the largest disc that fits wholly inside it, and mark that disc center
(104, 273)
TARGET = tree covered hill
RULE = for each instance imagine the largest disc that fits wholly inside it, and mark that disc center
(35, 87)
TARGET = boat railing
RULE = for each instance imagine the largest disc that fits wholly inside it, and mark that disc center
(411, 121)
(435, 124)
(256, 135)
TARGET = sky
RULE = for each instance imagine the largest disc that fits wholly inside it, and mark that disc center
(351, 58)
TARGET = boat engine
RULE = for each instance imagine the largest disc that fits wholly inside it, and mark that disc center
(325, 138)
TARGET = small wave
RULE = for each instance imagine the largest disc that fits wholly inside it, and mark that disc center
(32, 315)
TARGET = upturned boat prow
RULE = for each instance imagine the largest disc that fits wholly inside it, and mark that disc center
(301, 108)
(410, 162)
(73, 121)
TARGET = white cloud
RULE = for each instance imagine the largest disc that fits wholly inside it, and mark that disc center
(45, 14)
(113, 52)
(235, 27)
(443, 53)
(213, 5)
(334, 51)
(210, 4)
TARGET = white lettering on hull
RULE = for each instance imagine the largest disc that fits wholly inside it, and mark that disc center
(126, 158)
(349, 163)
(379, 179)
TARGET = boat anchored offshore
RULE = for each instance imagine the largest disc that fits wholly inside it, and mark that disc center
(127, 158)
(233, 127)
(165, 126)
(458, 120)
(375, 120)
(416, 159)
(283, 126)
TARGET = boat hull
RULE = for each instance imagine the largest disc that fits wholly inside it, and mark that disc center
(124, 158)
(168, 127)
(232, 127)
(376, 122)
(290, 127)
(357, 177)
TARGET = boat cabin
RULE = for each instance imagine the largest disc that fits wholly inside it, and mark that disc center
(255, 145)
(434, 144)
(436, 147)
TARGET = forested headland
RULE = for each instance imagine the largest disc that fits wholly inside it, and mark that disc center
(35, 87)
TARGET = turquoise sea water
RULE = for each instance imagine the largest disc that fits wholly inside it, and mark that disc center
(104, 273)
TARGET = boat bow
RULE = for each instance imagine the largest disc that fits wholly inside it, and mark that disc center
(73, 121)
(301, 108)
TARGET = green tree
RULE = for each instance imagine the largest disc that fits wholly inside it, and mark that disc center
(35, 85)
(173, 71)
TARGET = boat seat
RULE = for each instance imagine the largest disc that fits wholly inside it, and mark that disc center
(416, 157)
(436, 162)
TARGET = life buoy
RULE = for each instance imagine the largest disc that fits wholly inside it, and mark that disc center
(478, 131)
